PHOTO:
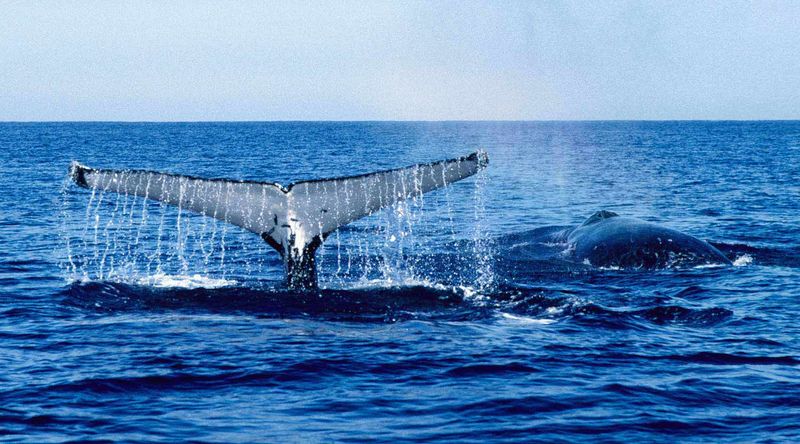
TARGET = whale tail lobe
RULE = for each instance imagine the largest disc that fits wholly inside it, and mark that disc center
(293, 220)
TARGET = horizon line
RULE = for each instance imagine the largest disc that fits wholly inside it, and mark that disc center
(402, 121)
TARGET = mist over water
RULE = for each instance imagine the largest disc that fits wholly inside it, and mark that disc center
(441, 317)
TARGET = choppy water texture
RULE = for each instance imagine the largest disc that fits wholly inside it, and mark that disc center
(125, 320)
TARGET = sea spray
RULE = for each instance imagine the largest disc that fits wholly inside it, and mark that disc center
(483, 247)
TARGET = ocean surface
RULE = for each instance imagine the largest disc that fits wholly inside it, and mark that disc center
(126, 320)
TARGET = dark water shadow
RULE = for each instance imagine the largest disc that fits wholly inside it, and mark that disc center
(390, 304)
(374, 304)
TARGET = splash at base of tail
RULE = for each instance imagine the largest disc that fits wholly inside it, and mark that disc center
(294, 220)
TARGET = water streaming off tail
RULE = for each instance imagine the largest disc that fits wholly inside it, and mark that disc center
(124, 237)
(422, 240)
(121, 237)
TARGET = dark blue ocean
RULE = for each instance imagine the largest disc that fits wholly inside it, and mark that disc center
(126, 320)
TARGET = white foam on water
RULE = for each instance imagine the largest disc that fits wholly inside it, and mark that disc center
(743, 260)
(519, 245)
(554, 310)
(527, 320)
(162, 280)
(563, 245)
(711, 265)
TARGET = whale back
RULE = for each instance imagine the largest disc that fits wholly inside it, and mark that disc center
(622, 242)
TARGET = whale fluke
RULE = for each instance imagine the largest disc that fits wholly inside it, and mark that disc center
(293, 220)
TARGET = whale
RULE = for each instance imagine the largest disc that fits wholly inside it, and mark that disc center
(294, 220)
(608, 240)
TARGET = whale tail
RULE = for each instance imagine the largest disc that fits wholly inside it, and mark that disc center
(293, 220)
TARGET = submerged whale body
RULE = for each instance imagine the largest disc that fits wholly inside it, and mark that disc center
(608, 240)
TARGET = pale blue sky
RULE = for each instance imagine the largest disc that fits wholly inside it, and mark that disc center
(249, 60)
